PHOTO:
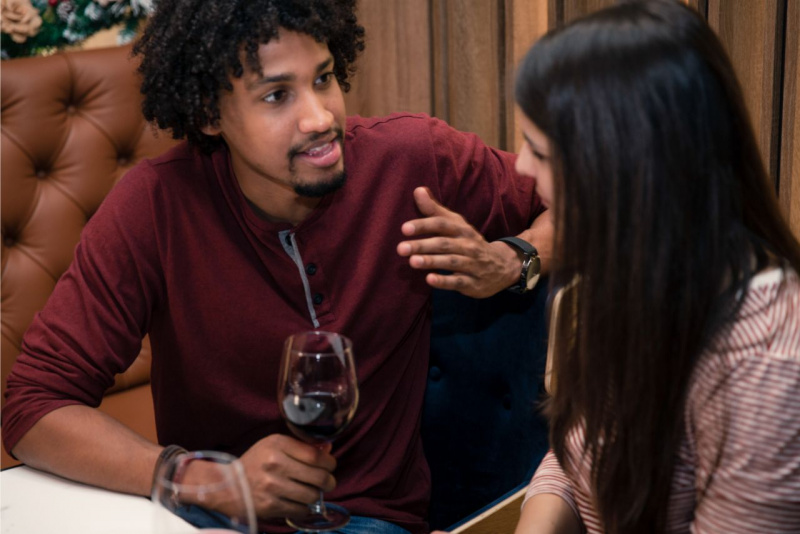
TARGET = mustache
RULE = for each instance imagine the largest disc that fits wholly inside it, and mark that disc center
(300, 147)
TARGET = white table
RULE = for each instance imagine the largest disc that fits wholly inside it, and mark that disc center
(33, 502)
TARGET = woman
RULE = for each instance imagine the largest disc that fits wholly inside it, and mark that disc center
(677, 406)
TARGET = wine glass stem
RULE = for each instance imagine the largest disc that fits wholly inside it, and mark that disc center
(318, 508)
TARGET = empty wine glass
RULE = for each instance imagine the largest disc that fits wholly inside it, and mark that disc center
(318, 395)
(206, 489)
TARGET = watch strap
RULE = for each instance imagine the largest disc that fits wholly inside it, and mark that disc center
(530, 260)
(521, 244)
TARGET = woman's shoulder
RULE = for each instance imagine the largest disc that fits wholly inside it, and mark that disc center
(760, 346)
(767, 324)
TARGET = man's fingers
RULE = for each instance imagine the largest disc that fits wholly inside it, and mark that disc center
(435, 245)
(464, 284)
(312, 478)
(452, 225)
(290, 500)
(276, 446)
(454, 282)
(447, 262)
(294, 509)
(436, 218)
(308, 484)
(438, 246)
(283, 492)
(426, 204)
(450, 238)
(284, 472)
(313, 456)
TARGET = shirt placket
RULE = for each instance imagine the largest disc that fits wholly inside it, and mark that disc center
(316, 301)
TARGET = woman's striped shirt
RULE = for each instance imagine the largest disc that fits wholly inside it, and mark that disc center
(738, 466)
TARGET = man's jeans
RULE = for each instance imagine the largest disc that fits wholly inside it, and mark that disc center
(366, 525)
(202, 518)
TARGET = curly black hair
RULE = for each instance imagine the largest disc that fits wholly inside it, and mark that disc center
(191, 48)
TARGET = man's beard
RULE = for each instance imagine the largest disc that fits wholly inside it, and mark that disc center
(319, 189)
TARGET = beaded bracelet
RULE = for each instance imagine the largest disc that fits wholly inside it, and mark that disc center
(167, 453)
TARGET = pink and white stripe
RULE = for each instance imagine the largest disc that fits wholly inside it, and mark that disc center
(738, 466)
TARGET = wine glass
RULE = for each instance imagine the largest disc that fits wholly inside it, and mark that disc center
(318, 395)
(206, 489)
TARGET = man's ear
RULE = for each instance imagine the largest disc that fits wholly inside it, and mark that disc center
(211, 129)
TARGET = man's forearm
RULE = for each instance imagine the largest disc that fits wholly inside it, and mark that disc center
(84, 444)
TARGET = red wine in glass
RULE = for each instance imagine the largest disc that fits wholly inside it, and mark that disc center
(318, 396)
(316, 417)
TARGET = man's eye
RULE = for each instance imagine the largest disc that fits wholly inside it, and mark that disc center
(275, 96)
(325, 79)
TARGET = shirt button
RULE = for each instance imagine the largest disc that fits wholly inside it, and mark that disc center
(311, 269)
(318, 298)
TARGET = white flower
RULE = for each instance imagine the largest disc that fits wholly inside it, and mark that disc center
(125, 36)
(19, 19)
(72, 36)
(65, 9)
(117, 8)
(93, 12)
(144, 7)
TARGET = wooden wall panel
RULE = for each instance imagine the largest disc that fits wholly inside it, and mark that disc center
(469, 66)
(789, 184)
(477, 45)
(752, 34)
(572, 9)
(394, 71)
(526, 21)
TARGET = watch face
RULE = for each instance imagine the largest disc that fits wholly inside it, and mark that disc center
(532, 281)
(534, 267)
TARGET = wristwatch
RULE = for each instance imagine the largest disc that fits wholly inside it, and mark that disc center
(531, 264)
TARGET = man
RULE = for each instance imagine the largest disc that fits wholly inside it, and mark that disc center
(252, 231)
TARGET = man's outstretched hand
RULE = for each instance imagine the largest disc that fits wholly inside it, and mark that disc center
(479, 268)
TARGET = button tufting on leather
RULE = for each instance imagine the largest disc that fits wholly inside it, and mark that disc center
(101, 86)
(507, 401)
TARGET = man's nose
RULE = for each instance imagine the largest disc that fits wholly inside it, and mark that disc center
(314, 115)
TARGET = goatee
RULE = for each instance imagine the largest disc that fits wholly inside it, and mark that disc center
(321, 189)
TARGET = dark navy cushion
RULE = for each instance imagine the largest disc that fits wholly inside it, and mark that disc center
(481, 425)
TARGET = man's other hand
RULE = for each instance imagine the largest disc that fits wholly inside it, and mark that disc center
(286, 475)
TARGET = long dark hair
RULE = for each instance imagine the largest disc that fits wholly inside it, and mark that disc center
(664, 209)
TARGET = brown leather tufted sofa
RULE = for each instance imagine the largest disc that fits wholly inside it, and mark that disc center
(71, 127)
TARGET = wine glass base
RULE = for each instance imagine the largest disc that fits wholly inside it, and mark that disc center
(335, 518)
